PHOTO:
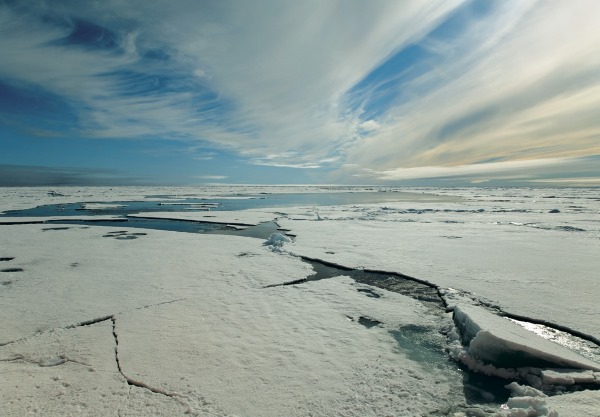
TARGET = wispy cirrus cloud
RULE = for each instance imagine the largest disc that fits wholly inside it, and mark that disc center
(377, 90)
(231, 74)
(519, 84)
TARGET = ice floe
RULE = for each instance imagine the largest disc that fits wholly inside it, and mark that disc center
(240, 217)
(525, 271)
(118, 321)
(197, 331)
(8, 220)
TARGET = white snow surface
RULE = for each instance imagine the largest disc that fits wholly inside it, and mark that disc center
(240, 217)
(577, 404)
(199, 334)
(72, 372)
(6, 220)
(493, 256)
(196, 328)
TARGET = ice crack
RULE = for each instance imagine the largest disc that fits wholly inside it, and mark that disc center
(565, 329)
(129, 380)
(420, 290)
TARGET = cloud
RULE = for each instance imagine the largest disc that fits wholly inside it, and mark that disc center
(306, 165)
(492, 168)
(369, 125)
(212, 177)
(562, 171)
(520, 82)
(385, 90)
(235, 75)
(584, 182)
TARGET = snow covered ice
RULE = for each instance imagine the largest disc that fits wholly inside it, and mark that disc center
(120, 321)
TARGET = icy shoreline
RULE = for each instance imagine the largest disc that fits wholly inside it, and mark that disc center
(202, 324)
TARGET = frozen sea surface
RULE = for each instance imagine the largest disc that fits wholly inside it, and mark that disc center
(351, 314)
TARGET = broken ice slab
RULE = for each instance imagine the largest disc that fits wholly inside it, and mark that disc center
(568, 377)
(499, 341)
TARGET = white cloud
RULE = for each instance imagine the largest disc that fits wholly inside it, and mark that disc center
(306, 165)
(369, 125)
(212, 177)
(522, 83)
(271, 80)
(565, 171)
(586, 182)
(492, 168)
(281, 76)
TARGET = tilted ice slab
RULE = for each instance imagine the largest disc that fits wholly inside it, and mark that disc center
(503, 343)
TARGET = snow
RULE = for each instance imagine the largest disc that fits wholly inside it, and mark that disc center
(580, 404)
(279, 351)
(205, 326)
(72, 372)
(95, 276)
(7, 220)
(241, 217)
(473, 253)
(197, 328)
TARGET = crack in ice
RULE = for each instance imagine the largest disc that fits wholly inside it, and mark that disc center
(552, 325)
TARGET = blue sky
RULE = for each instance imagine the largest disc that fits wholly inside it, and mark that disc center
(407, 92)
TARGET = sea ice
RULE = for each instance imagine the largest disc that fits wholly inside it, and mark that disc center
(568, 377)
(199, 332)
(525, 271)
(503, 343)
(240, 217)
(9, 220)
(196, 327)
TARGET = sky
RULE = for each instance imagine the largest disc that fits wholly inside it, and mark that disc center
(412, 92)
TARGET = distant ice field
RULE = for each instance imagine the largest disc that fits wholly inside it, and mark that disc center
(300, 301)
